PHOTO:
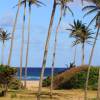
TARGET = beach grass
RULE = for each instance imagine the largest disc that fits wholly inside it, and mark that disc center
(31, 93)
(58, 95)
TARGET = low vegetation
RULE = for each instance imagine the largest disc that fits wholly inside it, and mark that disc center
(8, 79)
(57, 95)
(74, 78)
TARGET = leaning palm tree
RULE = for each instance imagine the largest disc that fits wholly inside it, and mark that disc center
(4, 36)
(55, 3)
(82, 35)
(13, 31)
(93, 9)
(46, 48)
(63, 8)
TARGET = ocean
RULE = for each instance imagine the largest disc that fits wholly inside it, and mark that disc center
(34, 73)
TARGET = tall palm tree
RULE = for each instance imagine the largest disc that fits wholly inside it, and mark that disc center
(82, 35)
(22, 41)
(23, 2)
(74, 58)
(27, 51)
(46, 48)
(13, 31)
(4, 36)
(63, 8)
(30, 3)
(93, 9)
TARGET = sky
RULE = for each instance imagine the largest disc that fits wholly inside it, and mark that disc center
(40, 19)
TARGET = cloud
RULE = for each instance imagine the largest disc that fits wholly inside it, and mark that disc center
(7, 20)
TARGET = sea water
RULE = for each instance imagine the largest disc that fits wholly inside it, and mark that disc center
(34, 73)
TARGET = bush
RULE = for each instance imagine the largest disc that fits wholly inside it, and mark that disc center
(6, 74)
(14, 84)
(47, 82)
(7, 79)
(13, 95)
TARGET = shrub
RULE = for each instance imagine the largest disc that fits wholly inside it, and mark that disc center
(46, 82)
(14, 84)
(7, 75)
(13, 95)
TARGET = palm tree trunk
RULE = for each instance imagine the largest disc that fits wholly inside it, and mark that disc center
(98, 91)
(54, 54)
(90, 60)
(2, 57)
(83, 54)
(46, 50)
(22, 43)
(27, 51)
(75, 55)
(12, 37)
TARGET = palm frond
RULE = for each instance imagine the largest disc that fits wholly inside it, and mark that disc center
(70, 10)
(90, 12)
(89, 8)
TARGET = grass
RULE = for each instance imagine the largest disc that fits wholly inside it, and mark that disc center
(57, 95)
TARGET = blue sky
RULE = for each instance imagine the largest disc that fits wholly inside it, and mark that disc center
(39, 27)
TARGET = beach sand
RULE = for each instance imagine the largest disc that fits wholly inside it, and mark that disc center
(31, 85)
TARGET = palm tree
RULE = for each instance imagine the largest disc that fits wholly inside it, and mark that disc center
(30, 3)
(13, 31)
(93, 9)
(26, 63)
(82, 35)
(4, 36)
(46, 48)
(74, 59)
(63, 9)
(22, 41)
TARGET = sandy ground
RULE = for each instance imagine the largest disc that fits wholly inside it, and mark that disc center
(31, 84)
